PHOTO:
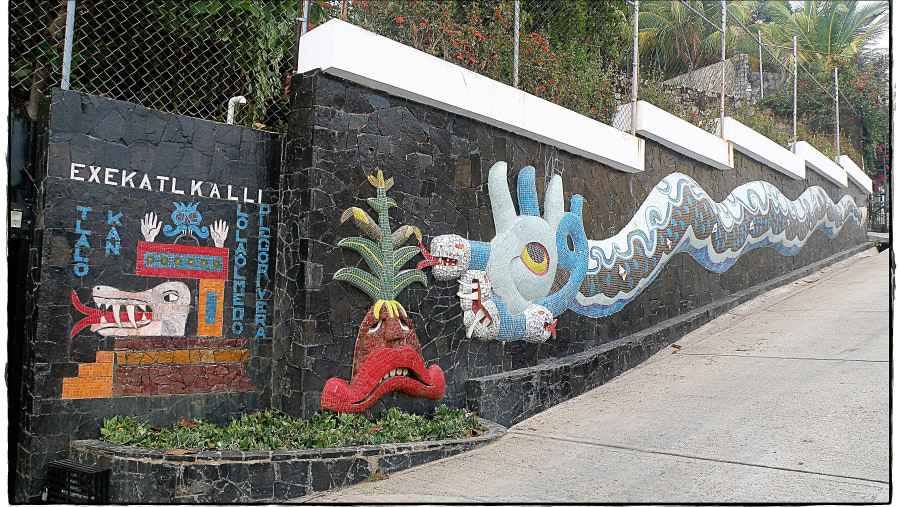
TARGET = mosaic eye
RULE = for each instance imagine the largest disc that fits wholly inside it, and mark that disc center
(375, 327)
(170, 296)
(403, 325)
(535, 258)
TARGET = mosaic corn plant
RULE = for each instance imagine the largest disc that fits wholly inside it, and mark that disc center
(387, 356)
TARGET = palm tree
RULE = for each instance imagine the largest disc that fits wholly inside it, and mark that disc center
(673, 39)
(823, 28)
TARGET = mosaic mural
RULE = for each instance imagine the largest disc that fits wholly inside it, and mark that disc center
(387, 356)
(152, 354)
(535, 268)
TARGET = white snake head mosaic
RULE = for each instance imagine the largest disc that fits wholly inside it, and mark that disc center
(160, 311)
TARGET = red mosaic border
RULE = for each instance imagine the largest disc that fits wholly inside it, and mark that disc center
(144, 246)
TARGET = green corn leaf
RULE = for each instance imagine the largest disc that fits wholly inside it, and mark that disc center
(404, 278)
(367, 248)
(381, 204)
(361, 280)
(403, 255)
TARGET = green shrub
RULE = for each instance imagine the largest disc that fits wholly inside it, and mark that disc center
(271, 430)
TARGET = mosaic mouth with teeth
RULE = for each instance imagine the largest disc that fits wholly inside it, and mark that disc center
(399, 372)
(109, 311)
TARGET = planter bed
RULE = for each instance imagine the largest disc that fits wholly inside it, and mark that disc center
(148, 475)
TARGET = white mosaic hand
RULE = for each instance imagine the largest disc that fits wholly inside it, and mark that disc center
(219, 232)
(150, 226)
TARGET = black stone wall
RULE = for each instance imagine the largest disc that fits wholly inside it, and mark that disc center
(339, 132)
(88, 228)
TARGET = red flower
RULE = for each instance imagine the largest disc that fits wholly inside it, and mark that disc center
(553, 55)
(459, 56)
(471, 59)
(399, 20)
(545, 48)
(422, 25)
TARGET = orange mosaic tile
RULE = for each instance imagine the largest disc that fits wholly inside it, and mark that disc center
(95, 370)
(212, 302)
(181, 356)
(87, 387)
(105, 357)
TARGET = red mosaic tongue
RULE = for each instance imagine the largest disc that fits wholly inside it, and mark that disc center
(551, 327)
(94, 316)
(429, 261)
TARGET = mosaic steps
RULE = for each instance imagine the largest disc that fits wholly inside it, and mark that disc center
(94, 380)
(161, 366)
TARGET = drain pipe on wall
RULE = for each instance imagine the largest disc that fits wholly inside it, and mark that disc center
(232, 104)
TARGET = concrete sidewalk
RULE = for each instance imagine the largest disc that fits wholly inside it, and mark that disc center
(782, 399)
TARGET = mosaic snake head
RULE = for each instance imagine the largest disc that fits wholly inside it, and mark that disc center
(530, 272)
(160, 311)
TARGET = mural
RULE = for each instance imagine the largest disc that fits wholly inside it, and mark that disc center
(387, 356)
(535, 268)
(152, 354)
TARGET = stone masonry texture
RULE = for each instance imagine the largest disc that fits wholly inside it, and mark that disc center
(339, 132)
(217, 362)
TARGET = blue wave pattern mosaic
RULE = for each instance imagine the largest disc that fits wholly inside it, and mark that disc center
(679, 216)
(537, 267)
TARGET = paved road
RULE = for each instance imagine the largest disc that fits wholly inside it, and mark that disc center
(782, 399)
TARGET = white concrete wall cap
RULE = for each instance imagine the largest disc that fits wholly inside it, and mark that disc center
(347, 51)
(820, 163)
(855, 173)
(761, 148)
(676, 134)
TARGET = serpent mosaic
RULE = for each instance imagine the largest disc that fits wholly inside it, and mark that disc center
(535, 268)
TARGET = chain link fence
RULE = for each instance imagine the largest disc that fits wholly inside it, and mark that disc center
(181, 57)
(192, 57)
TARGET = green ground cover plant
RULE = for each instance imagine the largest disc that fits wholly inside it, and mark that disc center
(273, 430)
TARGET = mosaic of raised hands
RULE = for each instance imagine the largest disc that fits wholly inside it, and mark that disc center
(387, 356)
(535, 268)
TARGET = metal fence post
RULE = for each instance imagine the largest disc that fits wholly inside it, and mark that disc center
(67, 49)
(304, 21)
(795, 88)
(837, 119)
(635, 73)
(302, 28)
(516, 46)
(722, 90)
(759, 40)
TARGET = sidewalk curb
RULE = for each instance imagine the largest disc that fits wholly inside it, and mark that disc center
(513, 396)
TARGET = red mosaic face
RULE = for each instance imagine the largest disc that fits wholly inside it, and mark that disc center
(387, 358)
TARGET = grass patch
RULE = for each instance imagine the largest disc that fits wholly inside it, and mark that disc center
(271, 430)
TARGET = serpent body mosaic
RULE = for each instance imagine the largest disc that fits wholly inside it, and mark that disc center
(537, 267)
